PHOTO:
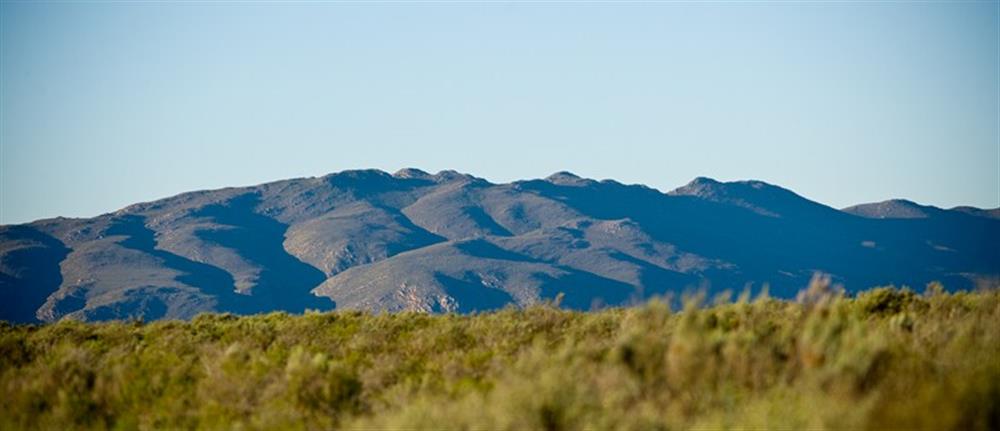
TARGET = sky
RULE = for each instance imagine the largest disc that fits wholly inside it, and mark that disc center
(104, 104)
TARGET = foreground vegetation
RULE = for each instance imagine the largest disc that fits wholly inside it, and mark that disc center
(885, 359)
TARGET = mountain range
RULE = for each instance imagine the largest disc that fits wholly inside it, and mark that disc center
(452, 242)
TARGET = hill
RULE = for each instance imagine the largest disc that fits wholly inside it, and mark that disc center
(412, 240)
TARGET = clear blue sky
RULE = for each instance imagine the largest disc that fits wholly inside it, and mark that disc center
(107, 104)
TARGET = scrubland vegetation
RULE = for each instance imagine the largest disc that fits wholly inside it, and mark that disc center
(885, 359)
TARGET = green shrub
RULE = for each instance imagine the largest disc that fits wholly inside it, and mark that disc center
(887, 358)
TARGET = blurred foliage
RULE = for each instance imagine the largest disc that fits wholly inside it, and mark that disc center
(887, 358)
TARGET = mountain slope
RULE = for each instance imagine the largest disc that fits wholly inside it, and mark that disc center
(444, 242)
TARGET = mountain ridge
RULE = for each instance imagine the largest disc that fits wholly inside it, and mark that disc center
(451, 241)
(419, 174)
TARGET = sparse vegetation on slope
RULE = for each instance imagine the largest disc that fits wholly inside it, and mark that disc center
(887, 358)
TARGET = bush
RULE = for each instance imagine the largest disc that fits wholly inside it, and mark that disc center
(886, 359)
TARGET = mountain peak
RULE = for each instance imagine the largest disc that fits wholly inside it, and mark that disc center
(709, 188)
(758, 196)
(357, 174)
(700, 187)
(711, 185)
(892, 208)
(360, 179)
(563, 174)
(453, 175)
(412, 173)
(566, 178)
(703, 181)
